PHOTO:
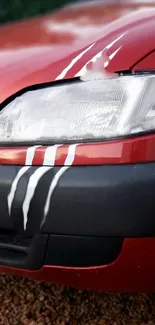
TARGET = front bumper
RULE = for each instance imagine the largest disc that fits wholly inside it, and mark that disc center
(91, 210)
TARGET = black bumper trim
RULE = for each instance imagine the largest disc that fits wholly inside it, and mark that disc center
(72, 251)
(104, 201)
(92, 201)
(32, 253)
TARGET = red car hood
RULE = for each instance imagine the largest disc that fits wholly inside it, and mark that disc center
(60, 45)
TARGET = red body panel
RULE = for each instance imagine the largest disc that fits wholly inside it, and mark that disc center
(133, 271)
(124, 151)
(58, 46)
(147, 63)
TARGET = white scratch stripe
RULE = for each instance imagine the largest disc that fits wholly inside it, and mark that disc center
(51, 190)
(69, 161)
(71, 155)
(114, 53)
(11, 195)
(79, 56)
(93, 59)
(50, 155)
(33, 182)
(115, 40)
(83, 71)
(29, 158)
(30, 155)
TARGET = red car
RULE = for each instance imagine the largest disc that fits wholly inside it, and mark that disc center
(77, 155)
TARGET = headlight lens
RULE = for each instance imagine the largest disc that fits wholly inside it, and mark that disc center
(89, 110)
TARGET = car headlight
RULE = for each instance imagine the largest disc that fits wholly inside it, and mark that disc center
(83, 110)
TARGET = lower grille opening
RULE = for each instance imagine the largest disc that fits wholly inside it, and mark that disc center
(22, 252)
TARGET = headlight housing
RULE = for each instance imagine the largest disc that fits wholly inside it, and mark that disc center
(84, 110)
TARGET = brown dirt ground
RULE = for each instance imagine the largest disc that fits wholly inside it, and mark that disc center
(24, 302)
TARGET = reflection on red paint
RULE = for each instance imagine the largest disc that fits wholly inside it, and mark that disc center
(12, 156)
(40, 49)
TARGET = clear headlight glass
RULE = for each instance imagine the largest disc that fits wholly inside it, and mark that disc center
(89, 110)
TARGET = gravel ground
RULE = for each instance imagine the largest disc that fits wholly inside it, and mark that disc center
(24, 302)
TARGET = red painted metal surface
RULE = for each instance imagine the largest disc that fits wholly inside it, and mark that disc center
(146, 63)
(46, 48)
(124, 151)
(134, 270)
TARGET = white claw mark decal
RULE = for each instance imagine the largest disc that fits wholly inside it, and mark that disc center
(51, 190)
(11, 195)
(71, 154)
(33, 182)
(69, 161)
(30, 155)
(78, 57)
(50, 155)
(29, 158)
(83, 71)
(49, 159)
